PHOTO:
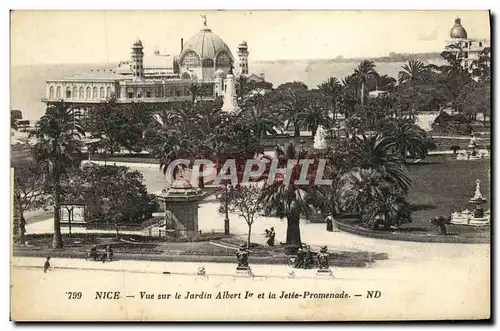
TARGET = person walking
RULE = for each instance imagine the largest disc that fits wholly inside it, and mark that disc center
(46, 266)
(271, 235)
(329, 222)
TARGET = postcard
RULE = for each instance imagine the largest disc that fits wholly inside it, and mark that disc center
(250, 165)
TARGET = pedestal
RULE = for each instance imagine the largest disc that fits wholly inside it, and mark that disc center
(324, 273)
(244, 271)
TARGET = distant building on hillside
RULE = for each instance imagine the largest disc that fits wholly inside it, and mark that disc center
(471, 47)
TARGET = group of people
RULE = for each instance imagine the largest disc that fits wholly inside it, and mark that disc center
(270, 234)
(304, 258)
(107, 255)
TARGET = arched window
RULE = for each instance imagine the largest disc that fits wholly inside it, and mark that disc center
(94, 93)
(223, 60)
(51, 92)
(58, 92)
(108, 92)
(80, 93)
(87, 93)
(191, 59)
(68, 93)
(208, 63)
(75, 92)
(185, 75)
(101, 93)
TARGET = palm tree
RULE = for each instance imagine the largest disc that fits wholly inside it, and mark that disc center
(386, 83)
(376, 152)
(194, 90)
(291, 99)
(410, 139)
(412, 71)
(258, 114)
(290, 198)
(364, 72)
(332, 90)
(313, 115)
(58, 133)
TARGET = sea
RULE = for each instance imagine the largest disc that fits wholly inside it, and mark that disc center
(28, 82)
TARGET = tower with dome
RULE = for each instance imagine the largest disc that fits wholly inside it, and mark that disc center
(471, 47)
(158, 78)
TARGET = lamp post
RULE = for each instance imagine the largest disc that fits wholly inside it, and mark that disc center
(226, 211)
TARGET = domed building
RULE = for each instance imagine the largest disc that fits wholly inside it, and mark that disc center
(458, 31)
(471, 47)
(204, 54)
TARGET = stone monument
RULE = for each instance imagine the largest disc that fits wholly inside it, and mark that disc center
(319, 139)
(230, 104)
(324, 263)
(478, 217)
(181, 206)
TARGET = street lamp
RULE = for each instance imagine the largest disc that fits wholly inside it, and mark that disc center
(226, 210)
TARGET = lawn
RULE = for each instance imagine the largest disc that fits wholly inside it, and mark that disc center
(442, 186)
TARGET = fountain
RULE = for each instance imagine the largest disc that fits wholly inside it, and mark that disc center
(473, 153)
(319, 139)
(478, 217)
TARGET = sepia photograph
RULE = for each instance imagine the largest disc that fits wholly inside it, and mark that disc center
(229, 165)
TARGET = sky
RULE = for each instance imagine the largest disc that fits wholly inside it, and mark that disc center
(39, 37)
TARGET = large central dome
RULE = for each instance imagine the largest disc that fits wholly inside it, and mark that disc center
(206, 44)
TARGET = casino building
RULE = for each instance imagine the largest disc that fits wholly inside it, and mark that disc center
(204, 59)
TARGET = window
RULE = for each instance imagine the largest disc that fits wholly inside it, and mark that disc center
(130, 95)
(58, 92)
(208, 63)
(480, 44)
(185, 75)
(68, 93)
(75, 92)
(94, 93)
(80, 93)
(148, 94)
(101, 93)
(108, 92)
(177, 92)
(223, 60)
(51, 92)
(466, 55)
(139, 95)
(191, 59)
(87, 93)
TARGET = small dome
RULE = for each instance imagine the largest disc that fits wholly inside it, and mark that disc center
(138, 43)
(458, 31)
(243, 43)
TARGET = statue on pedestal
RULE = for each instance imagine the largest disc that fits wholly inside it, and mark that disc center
(324, 259)
(242, 256)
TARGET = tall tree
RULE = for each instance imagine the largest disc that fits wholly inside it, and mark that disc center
(29, 192)
(246, 201)
(291, 99)
(412, 71)
(332, 90)
(364, 72)
(57, 145)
